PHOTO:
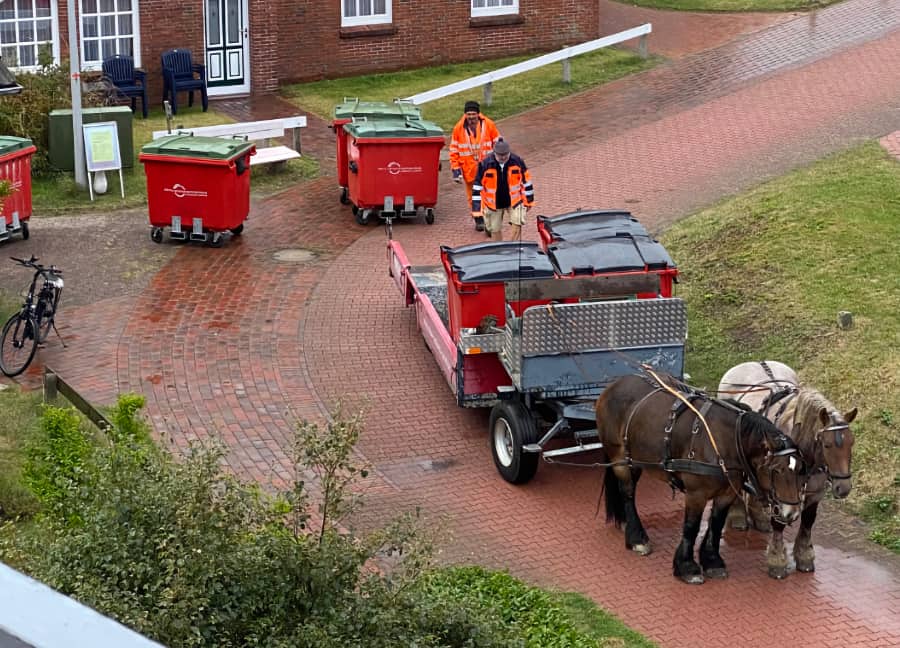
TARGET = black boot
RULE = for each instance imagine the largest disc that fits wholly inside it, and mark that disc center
(479, 224)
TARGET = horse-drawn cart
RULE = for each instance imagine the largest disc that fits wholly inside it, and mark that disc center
(522, 329)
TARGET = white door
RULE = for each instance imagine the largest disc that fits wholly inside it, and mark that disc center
(227, 46)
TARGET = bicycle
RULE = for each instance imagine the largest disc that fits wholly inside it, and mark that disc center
(31, 325)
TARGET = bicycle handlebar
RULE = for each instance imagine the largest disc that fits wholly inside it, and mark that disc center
(32, 263)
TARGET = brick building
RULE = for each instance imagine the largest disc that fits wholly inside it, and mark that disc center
(255, 45)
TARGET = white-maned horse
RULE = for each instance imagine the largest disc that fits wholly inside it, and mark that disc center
(818, 428)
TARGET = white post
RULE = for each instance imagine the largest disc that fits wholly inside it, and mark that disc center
(488, 87)
(75, 79)
(567, 70)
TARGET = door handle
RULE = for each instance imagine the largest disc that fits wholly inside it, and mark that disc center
(246, 33)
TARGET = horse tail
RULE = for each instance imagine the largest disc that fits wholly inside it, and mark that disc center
(615, 504)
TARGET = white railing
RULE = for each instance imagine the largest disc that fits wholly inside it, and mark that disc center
(564, 55)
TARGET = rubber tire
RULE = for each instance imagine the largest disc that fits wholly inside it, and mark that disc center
(216, 239)
(512, 427)
(156, 234)
(26, 233)
(345, 196)
(362, 217)
(32, 341)
(236, 231)
(429, 216)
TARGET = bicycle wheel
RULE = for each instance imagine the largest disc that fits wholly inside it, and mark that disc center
(44, 318)
(17, 344)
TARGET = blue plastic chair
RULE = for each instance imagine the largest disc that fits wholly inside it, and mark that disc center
(119, 70)
(181, 74)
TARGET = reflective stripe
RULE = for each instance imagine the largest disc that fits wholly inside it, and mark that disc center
(477, 187)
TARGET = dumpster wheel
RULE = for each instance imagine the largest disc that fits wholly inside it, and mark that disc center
(345, 196)
(362, 216)
(25, 232)
(429, 216)
(216, 240)
(237, 230)
(156, 234)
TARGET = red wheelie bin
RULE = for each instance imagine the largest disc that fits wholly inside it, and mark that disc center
(393, 168)
(198, 187)
(351, 109)
(15, 167)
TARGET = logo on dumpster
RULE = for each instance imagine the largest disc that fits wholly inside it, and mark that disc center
(181, 192)
(395, 168)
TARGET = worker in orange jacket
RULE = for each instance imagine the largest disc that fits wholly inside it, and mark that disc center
(473, 139)
(502, 191)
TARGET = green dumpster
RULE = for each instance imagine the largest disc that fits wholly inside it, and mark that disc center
(61, 143)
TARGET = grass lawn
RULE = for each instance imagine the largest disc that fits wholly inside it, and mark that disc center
(510, 96)
(57, 193)
(733, 5)
(765, 275)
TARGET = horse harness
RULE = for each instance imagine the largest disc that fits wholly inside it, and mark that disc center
(684, 398)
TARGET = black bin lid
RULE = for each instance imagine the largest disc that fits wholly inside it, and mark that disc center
(611, 254)
(502, 261)
(582, 225)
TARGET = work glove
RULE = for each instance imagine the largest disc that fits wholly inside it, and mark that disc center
(457, 175)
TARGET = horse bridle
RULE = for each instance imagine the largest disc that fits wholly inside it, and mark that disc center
(772, 499)
(838, 430)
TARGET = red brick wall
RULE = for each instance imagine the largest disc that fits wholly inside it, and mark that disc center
(167, 24)
(425, 32)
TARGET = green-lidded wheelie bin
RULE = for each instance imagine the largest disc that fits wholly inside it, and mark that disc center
(354, 109)
(198, 183)
(15, 167)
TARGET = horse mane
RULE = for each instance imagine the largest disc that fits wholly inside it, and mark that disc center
(758, 426)
(806, 412)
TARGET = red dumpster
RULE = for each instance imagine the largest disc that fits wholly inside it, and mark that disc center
(581, 225)
(15, 166)
(393, 168)
(198, 187)
(476, 275)
(351, 109)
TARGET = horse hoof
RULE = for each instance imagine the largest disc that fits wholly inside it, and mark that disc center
(693, 579)
(716, 572)
(806, 568)
(642, 549)
(778, 573)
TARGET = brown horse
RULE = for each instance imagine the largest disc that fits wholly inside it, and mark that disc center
(644, 425)
(821, 432)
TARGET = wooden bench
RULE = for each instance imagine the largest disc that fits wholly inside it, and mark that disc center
(255, 131)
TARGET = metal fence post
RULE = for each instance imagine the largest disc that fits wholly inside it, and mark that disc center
(642, 46)
(567, 70)
(50, 391)
(488, 87)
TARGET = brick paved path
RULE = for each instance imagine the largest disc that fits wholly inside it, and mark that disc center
(237, 344)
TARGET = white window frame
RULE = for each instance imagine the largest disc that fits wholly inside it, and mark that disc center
(54, 38)
(375, 19)
(135, 36)
(478, 12)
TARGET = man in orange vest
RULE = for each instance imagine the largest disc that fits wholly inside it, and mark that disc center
(472, 140)
(502, 191)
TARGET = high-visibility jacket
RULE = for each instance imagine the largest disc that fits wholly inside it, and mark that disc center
(467, 150)
(518, 178)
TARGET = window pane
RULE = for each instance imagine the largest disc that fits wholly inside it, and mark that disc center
(124, 5)
(44, 30)
(7, 10)
(365, 7)
(26, 55)
(349, 8)
(477, 4)
(90, 27)
(8, 34)
(43, 8)
(26, 32)
(10, 56)
(91, 50)
(380, 8)
(24, 11)
(125, 25)
(89, 6)
(107, 25)
(233, 20)
(213, 23)
(125, 47)
(108, 47)
(107, 5)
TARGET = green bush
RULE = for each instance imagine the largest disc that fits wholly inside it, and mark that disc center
(27, 114)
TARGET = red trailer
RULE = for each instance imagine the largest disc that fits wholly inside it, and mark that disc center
(510, 330)
(393, 168)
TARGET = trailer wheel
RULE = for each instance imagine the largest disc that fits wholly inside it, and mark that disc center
(512, 427)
